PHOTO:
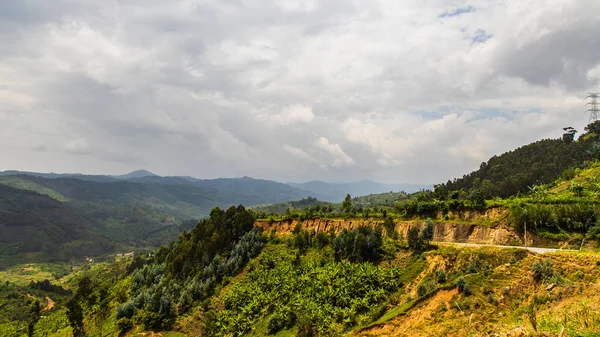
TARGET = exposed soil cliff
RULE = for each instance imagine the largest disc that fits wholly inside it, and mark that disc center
(493, 229)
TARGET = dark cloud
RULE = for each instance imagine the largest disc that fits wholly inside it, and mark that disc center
(563, 56)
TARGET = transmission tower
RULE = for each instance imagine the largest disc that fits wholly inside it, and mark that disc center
(594, 109)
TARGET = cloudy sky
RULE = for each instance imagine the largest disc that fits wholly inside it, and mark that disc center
(295, 90)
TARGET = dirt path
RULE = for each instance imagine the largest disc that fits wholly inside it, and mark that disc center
(50, 304)
(531, 249)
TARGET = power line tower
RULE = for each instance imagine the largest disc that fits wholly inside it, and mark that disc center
(594, 108)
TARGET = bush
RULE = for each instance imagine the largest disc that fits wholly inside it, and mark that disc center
(462, 286)
(276, 324)
(441, 276)
(421, 290)
(492, 299)
(542, 271)
(124, 324)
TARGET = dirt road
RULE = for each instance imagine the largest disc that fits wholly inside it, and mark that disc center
(531, 249)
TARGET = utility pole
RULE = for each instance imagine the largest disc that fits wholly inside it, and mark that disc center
(594, 108)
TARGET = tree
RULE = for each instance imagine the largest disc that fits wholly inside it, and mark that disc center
(477, 198)
(84, 288)
(34, 316)
(75, 316)
(569, 134)
(390, 227)
(347, 204)
(426, 234)
(414, 241)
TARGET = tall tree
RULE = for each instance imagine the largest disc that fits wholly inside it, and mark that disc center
(75, 316)
(347, 204)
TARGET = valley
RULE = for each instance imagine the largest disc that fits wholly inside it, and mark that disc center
(444, 261)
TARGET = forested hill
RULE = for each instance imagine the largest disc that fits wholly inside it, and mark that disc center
(57, 218)
(516, 171)
(38, 227)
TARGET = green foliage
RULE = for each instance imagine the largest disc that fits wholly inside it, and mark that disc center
(75, 316)
(347, 204)
(190, 269)
(426, 234)
(124, 324)
(414, 242)
(462, 286)
(513, 172)
(576, 217)
(441, 276)
(359, 245)
(542, 271)
(390, 227)
(324, 298)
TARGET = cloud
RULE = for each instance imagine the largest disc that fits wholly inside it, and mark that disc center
(299, 153)
(340, 157)
(289, 90)
(290, 115)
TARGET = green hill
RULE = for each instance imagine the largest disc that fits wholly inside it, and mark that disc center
(140, 210)
(515, 171)
(35, 227)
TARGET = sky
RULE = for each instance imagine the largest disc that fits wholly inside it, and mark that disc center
(290, 90)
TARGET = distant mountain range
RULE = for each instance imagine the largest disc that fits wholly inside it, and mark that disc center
(53, 217)
(332, 192)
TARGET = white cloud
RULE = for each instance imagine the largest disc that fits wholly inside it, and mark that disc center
(299, 153)
(290, 115)
(206, 88)
(340, 158)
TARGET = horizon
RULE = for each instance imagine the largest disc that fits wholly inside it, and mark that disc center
(232, 177)
(395, 92)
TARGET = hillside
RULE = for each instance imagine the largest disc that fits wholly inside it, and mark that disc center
(337, 192)
(141, 210)
(387, 264)
(515, 171)
(230, 280)
(35, 227)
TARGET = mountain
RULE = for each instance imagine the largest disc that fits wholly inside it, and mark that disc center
(36, 227)
(142, 210)
(136, 174)
(100, 178)
(335, 192)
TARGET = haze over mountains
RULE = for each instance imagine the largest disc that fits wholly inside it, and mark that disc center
(333, 192)
(52, 216)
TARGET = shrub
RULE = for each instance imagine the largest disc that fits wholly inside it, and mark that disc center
(276, 324)
(492, 299)
(421, 290)
(462, 286)
(441, 276)
(542, 271)
(124, 324)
